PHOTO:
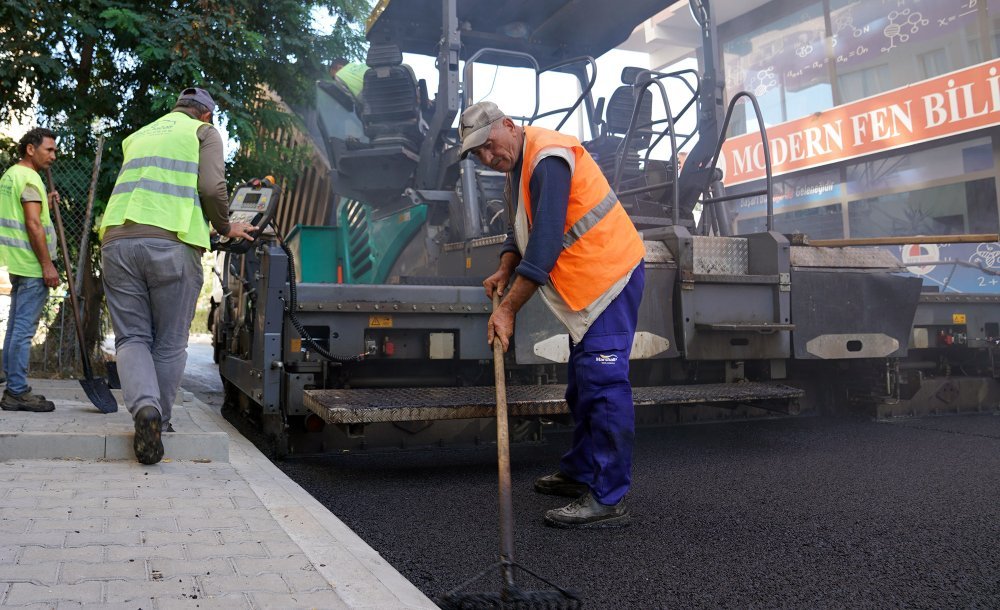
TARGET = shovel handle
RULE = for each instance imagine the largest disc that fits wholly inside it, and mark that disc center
(503, 458)
(69, 279)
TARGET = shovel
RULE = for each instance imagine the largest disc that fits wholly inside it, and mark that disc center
(96, 388)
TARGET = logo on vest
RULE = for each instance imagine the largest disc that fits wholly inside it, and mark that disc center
(606, 358)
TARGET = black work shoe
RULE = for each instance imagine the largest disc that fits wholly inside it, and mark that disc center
(25, 401)
(559, 484)
(168, 427)
(586, 512)
(147, 444)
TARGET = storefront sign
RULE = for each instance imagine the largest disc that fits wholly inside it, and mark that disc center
(962, 101)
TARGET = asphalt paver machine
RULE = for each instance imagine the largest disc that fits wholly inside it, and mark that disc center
(364, 325)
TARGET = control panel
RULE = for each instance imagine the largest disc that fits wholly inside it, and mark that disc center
(253, 202)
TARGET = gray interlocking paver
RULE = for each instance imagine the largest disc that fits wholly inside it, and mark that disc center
(220, 584)
(37, 573)
(211, 523)
(279, 565)
(54, 512)
(226, 602)
(142, 524)
(100, 606)
(304, 581)
(266, 538)
(141, 553)
(75, 572)
(143, 594)
(48, 539)
(172, 568)
(39, 554)
(8, 553)
(84, 538)
(14, 525)
(237, 549)
(298, 601)
(22, 593)
(68, 525)
(82, 533)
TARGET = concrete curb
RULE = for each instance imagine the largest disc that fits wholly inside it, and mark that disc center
(338, 554)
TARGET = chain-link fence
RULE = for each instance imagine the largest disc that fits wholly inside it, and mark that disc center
(55, 350)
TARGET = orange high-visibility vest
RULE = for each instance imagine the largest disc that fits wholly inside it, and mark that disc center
(600, 243)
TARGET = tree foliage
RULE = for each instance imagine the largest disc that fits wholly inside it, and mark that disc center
(89, 67)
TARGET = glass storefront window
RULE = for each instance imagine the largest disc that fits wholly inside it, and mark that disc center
(918, 168)
(824, 222)
(966, 207)
(782, 63)
(906, 40)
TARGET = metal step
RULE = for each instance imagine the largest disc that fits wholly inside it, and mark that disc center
(764, 328)
(365, 406)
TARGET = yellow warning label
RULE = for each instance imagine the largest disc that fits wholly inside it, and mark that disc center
(468, 262)
(958, 318)
(380, 321)
(295, 345)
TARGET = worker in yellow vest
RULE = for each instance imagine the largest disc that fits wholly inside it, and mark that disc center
(154, 231)
(572, 241)
(27, 247)
(351, 74)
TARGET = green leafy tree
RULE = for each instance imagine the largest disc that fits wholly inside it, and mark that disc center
(8, 152)
(86, 68)
(90, 67)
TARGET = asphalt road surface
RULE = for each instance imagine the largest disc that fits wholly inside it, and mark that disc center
(805, 513)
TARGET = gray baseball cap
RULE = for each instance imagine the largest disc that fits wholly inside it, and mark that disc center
(199, 95)
(475, 124)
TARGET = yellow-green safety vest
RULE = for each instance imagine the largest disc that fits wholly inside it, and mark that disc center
(353, 77)
(158, 182)
(15, 249)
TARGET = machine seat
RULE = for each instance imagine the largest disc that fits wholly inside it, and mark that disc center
(390, 107)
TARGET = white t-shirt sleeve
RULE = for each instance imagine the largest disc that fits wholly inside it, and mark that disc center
(30, 194)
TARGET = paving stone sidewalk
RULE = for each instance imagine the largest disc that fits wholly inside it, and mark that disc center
(200, 533)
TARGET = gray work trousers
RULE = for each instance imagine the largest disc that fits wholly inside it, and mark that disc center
(151, 286)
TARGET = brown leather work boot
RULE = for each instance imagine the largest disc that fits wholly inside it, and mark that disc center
(26, 401)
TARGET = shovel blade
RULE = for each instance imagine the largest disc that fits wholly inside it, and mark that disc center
(99, 393)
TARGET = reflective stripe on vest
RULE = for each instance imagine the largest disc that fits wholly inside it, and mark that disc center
(600, 243)
(15, 247)
(158, 182)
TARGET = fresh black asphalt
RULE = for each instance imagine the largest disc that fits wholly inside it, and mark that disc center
(801, 513)
(805, 513)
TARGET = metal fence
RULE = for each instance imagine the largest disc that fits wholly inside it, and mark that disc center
(55, 351)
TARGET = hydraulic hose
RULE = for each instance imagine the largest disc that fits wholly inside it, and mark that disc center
(291, 306)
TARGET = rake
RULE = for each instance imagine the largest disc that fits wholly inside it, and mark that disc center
(509, 595)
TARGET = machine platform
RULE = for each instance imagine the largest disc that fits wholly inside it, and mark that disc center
(365, 406)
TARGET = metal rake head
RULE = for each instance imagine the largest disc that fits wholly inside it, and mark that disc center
(513, 599)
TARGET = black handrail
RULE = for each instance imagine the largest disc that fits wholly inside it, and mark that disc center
(640, 90)
(769, 184)
(583, 95)
(467, 76)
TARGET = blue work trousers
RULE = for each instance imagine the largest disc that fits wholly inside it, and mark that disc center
(599, 395)
(27, 299)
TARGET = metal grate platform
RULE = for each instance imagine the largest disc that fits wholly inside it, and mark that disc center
(365, 406)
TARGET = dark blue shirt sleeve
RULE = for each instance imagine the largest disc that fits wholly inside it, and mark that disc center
(549, 188)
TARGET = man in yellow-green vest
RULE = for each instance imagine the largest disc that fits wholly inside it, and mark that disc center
(351, 74)
(155, 229)
(27, 247)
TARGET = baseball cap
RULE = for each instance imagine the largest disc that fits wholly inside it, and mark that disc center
(199, 95)
(474, 126)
